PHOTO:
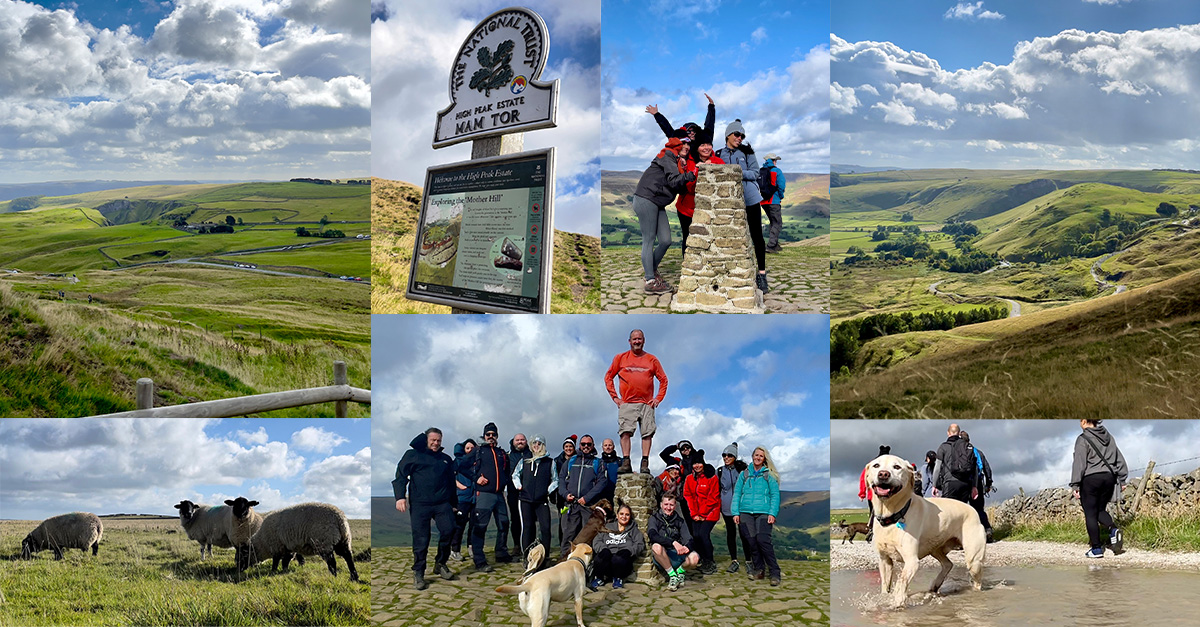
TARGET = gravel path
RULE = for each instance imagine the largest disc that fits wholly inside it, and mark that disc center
(862, 556)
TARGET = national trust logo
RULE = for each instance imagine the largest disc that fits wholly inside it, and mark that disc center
(518, 85)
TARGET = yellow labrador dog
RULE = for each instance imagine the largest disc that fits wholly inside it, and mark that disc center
(908, 527)
(566, 579)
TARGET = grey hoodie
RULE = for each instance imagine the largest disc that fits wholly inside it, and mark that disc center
(631, 539)
(1088, 463)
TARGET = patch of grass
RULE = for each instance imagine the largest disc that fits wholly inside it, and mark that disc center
(1168, 533)
(851, 515)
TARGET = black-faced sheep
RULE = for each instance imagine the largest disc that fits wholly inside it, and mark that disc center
(207, 524)
(78, 530)
(242, 525)
(305, 529)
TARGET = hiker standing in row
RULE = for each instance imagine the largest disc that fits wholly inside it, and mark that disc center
(424, 487)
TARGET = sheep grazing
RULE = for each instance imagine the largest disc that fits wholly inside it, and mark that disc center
(242, 525)
(207, 524)
(78, 530)
(305, 529)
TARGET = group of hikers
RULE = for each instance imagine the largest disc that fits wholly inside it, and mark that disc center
(959, 470)
(483, 483)
(671, 177)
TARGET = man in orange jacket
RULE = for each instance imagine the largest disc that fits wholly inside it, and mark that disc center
(637, 371)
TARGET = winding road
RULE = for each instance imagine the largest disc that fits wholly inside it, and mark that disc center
(1014, 306)
(1102, 284)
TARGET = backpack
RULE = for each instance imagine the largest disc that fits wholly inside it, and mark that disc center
(961, 461)
(766, 184)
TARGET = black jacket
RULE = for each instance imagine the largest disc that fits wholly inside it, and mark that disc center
(427, 477)
(491, 462)
(536, 477)
(703, 135)
(662, 181)
(663, 530)
(514, 460)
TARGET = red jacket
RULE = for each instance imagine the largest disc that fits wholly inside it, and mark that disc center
(703, 496)
(863, 493)
(685, 205)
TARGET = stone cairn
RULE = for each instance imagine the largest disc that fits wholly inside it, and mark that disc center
(637, 491)
(719, 267)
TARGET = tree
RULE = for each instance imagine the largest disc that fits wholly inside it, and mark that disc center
(879, 235)
(324, 221)
(230, 220)
(906, 217)
(239, 221)
(1166, 210)
(301, 231)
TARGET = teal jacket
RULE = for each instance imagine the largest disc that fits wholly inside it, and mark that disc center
(755, 493)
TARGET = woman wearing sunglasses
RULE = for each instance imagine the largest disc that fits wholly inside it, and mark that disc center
(738, 151)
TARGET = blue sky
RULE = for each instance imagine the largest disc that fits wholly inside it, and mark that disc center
(764, 62)
(203, 89)
(1005, 84)
(413, 45)
(146, 466)
(756, 380)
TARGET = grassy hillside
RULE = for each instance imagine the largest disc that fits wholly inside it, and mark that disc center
(396, 207)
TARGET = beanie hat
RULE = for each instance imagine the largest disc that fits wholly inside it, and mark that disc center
(673, 467)
(470, 441)
(571, 438)
(730, 450)
(697, 457)
(884, 450)
(538, 438)
(490, 427)
(734, 127)
(687, 442)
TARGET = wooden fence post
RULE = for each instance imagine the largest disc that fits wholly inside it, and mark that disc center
(339, 378)
(145, 393)
(1137, 500)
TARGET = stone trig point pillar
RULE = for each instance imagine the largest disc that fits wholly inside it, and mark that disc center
(719, 267)
(637, 491)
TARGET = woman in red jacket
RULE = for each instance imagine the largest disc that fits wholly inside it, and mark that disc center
(702, 490)
(685, 205)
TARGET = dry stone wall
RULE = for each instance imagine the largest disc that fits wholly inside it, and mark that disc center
(718, 270)
(1164, 496)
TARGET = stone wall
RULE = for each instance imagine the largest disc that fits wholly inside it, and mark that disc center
(1164, 496)
(637, 491)
(718, 270)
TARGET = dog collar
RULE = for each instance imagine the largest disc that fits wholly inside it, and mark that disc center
(895, 518)
(587, 571)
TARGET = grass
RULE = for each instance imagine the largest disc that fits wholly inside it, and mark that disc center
(1169, 533)
(149, 573)
(330, 259)
(851, 515)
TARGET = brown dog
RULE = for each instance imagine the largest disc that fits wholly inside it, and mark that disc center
(853, 529)
(602, 510)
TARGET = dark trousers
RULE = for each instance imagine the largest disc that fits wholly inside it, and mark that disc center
(421, 514)
(514, 510)
(1095, 491)
(754, 221)
(757, 532)
(572, 523)
(775, 217)
(685, 225)
(487, 506)
(702, 538)
(462, 521)
(534, 514)
(977, 503)
(610, 565)
(957, 490)
(731, 538)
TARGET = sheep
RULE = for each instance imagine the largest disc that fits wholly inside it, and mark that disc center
(242, 525)
(305, 529)
(207, 524)
(78, 530)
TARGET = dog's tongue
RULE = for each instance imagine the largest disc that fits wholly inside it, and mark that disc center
(883, 490)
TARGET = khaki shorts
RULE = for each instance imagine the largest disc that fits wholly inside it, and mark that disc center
(632, 415)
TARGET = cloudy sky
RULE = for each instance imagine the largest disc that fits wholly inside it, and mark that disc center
(1029, 454)
(413, 45)
(146, 465)
(1012, 84)
(196, 89)
(766, 63)
(754, 380)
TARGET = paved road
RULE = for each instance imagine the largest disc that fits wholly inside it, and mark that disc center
(1014, 307)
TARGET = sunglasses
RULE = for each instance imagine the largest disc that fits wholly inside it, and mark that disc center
(739, 135)
(726, 455)
(586, 445)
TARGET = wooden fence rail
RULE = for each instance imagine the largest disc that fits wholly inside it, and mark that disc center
(340, 394)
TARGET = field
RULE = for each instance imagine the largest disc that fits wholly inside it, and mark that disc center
(149, 573)
(89, 309)
(396, 206)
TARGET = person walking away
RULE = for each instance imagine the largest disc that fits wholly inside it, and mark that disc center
(670, 542)
(424, 486)
(755, 506)
(466, 498)
(983, 484)
(955, 470)
(661, 182)
(772, 186)
(930, 462)
(702, 491)
(579, 485)
(489, 473)
(738, 151)
(612, 463)
(518, 451)
(1097, 469)
(535, 479)
(637, 371)
(727, 474)
(615, 549)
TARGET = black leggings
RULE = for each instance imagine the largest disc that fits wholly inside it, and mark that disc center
(462, 521)
(754, 221)
(610, 565)
(685, 225)
(1094, 493)
(534, 517)
(702, 538)
(731, 537)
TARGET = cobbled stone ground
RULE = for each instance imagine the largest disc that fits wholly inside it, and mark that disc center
(718, 600)
(798, 276)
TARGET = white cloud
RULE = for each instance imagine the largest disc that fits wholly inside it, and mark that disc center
(973, 11)
(317, 440)
(254, 437)
(759, 35)
(341, 480)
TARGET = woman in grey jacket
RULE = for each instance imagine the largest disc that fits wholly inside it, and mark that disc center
(616, 548)
(738, 151)
(1097, 468)
(665, 179)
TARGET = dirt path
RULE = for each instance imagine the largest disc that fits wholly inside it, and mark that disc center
(862, 556)
(719, 600)
(1014, 307)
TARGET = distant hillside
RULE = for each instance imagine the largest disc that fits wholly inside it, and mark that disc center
(68, 188)
(841, 168)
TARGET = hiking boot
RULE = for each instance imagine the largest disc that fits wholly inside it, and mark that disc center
(774, 581)
(1116, 541)
(682, 577)
(618, 583)
(733, 568)
(504, 558)
(760, 574)
(626, 467)
(455, 556)
(750, 572)
(760, 280)
(656, 286)
(709, 568)
(674, 583)
(594, 585)
(645, 466)
(419, 581)
(483, 568)
(774, 249)
(443, 571)
(1094, 553)
(990, 539)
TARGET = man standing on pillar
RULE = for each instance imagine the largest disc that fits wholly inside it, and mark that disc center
(489, 470)
(424, 487)
(637, 371)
